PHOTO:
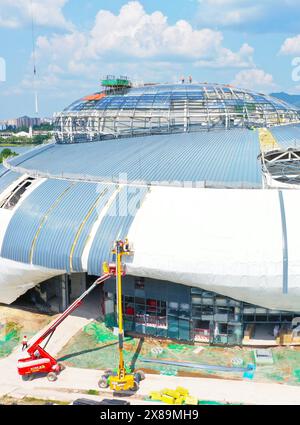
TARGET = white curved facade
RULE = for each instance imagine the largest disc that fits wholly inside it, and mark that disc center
(230, 230)
(225, 241)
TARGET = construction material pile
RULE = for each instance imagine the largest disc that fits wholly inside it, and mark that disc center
(179, 396)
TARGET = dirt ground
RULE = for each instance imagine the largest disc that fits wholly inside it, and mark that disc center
(28, 401)
(15, 323)
(96, 348)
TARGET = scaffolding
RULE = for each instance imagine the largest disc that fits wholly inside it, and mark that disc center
(124, 111)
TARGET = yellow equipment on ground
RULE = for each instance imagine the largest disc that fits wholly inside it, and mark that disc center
(121, 379)
(179, 396)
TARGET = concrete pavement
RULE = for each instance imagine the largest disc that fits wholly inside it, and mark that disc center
(80, 380)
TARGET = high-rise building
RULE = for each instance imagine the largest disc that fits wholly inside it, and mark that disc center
(27, 122)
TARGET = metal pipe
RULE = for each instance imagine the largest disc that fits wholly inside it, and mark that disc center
(200, 366)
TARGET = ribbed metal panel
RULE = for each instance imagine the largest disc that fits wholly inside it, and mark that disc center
(32, 153)
(105, 193)
(287, 136)
(221, 157)
(115, 225)
(28, 219)
(58, 235)
(7, 178)
(2, 170)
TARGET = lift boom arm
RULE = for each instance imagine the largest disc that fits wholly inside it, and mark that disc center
(32, 348)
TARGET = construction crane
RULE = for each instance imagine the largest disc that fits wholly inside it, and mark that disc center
(38, 361)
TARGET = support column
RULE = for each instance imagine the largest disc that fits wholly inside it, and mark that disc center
(63, 293)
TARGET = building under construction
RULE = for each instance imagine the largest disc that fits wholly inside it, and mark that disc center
(203, 179)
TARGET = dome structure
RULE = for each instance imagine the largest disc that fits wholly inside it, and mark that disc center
(200, 192)
(168, 108)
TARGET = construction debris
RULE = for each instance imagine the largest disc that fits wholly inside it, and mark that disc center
(179, 396)
(263, 357)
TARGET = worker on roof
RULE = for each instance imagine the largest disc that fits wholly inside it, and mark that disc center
(24, 343)
(190, 79)
(182, 79)
(126, 246)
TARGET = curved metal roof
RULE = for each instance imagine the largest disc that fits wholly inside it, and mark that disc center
(56, 222)
(225, 157)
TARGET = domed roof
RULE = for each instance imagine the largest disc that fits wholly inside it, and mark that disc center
(169, 108)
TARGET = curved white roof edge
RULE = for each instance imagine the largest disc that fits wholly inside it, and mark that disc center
(226, 241)
(17, 278)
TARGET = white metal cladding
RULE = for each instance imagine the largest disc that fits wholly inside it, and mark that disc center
(58, 237)
(216, 157)
(287, 136)
(28, 218)
(226, 241)
(168, 109)
(115, 225)
(7, 178)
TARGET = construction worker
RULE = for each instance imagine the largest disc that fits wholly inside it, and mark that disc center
(126, 246)
(182, 79)
(24, 343)
(190, 79)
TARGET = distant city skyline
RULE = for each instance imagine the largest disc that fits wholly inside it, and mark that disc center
(250, 44)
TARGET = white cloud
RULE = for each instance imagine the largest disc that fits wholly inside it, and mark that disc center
(135, 34)
(49, 13)
(291, 46)
(226, 58)
(255, 79)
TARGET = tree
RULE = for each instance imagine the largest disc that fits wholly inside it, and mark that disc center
(6, 153)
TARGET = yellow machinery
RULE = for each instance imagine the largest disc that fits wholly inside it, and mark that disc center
(121, 379)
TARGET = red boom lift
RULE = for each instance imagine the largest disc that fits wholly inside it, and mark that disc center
(38, 360)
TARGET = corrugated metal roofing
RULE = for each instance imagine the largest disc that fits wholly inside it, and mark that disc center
(7, 178)
(28, 219)
(55, 222)
(215, 157)
(115, 225)
(104, 194)
(287, 136)
(2, 170)
(58, 236)
(32, 153)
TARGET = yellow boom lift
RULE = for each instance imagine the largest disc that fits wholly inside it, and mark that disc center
(121, 379)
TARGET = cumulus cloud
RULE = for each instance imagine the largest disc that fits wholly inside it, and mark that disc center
(226, 58)
(135, 34)
(255, 79)
(291, 46)
(49, 13)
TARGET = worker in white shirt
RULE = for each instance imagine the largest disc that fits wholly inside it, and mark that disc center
(24, 343)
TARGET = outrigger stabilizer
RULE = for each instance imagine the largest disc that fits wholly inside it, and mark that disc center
(38, 360)
(122, 378)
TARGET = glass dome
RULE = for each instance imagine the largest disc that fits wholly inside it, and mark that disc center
(169, 108)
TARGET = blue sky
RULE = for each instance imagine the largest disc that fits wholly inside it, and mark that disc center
(242, 42)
